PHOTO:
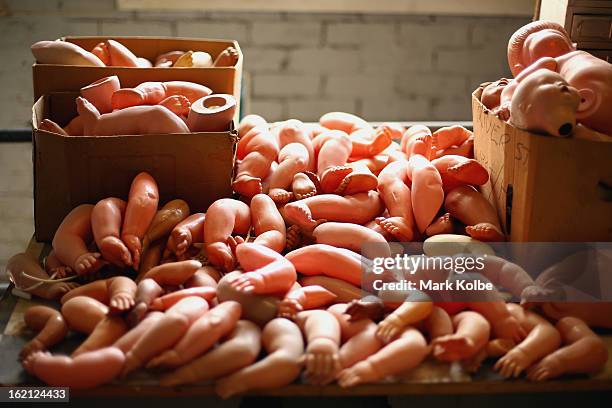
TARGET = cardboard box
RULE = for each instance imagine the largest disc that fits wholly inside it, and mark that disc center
(196, 167)
(49, 78)
(545, 188)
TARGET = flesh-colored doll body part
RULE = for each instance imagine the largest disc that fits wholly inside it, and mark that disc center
(282, 340)
(354, 237)
(333, 149)
(266, 271)
(344, 291)
(417, 139)
(268, 223)
(407, 314)
(75, 127)
(441, 225)
(224, 218)
(84, 371)
(141, 208)
(106, 219)
(595, 314)
(321, 259)
(304, 186)
(369, 142)
(471, 333)
(465, 149)
(147, 290)
(115, 54)
(201, 336)
(167, 59)
(177, 104)
(152, 93)
(135, 120)
(106, 332)
(358, 209)
(227, 58)
(294, 131)
(207, 276)
(166, 332)
(491, 93)
(194, 59)
(292, 159)
(50, 328)
(150, 258)
(583, 352)
(100, 93)
(21, 264)
(72, 238)
(345, 122)
(173, 273)
(240, 349)
(63, 53)
(256, 151)
(459, 170)
(472, 208)
(167, 301)
(165, 220)
(83, 313)
(449, 136)
(322, 333)
(395, 193)
(117, 292)
(542, 339)
(52, 127)
(127, 341)
(212, 113)
(259, 309)
(186, 233)
(427, 194)
(249, 122)
(304, 298)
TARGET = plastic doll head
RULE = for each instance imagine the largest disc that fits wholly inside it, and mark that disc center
(491, 94)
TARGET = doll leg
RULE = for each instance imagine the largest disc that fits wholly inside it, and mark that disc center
(186, 233)
(262, 151)
(334, 149)
(438, 323)
(471, 334)
(268, 223)
(207, 276)
(417, 139)
(300, 298)
(302, 186)
(224, 217)
(371, 143)
(442, 225)
(292, 159)
(53, 265)
(321, 259)
(239, 350)
(51, 126)
(127, 341)
(49, 324)
(178, 104)
(151, 257)
(584, 352)
(106, 218)
(83, 313)
(426, 192)
(397, 198)
(322, 332)
(146, 291)
(227, 58)
(109, 330)
(360, 180)
(283, 341)
(404, 353)
(165, 333)
(472, 208)
(449, 136)
(408, 313)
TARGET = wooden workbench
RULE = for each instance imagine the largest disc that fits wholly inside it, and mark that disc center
(430, 378)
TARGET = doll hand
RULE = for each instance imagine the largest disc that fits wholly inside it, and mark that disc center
(363, 309)
(289, 308)
(122, 301)
(88, 262)
(135, 246)
(31, 347)
(513, 363)
(509, 328)
(250, 282)
(321, 360)
(389, 328)
(57, 290)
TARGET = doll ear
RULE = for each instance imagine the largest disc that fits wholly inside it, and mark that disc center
(589, 101)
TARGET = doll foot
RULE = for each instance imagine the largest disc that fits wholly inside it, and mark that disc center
(227, 58)
(357, 183)
(332, 177)
(247, 186)
(280, 196)
(382, 140)
(442, 225)
(167, 359)
(134, 245)
(294, 238)
(51, 126)
(121, 302)
(132, 363)
(220, 254)
(137, 313)
(360, 373)
(88, 263)
(397, 227)
(115, 251)
(300, 213)
(29, 361)
(485, 232)
(182, 241)
(303, 186)
(549, 367)
(452, 347)
(250, 282)
(289, 308)
(31, 347)
(229, 386)
(513, 363)
(178, 104)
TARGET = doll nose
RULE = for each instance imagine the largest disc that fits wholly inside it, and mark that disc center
(565, 129)
(564, 88)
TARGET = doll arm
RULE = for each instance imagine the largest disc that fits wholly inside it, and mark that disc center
(127, 341)
(584, 352)
(207, 276)
(49, 324)
(167, 301)
(306, 298)
(408, 313)
(97, 290)
(85, 371)
(63, 53)
(239, 350)
(146, 291)
(106, 332)
(165, 220)
(173, 273)
(201, 336)
(503, 323)
(141, 208)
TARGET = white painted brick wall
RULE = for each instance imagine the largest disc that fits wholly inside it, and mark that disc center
(384, 67)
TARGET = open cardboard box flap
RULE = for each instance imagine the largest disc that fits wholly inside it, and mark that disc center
(68, 171)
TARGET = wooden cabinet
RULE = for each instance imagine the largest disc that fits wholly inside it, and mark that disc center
(589, 22)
